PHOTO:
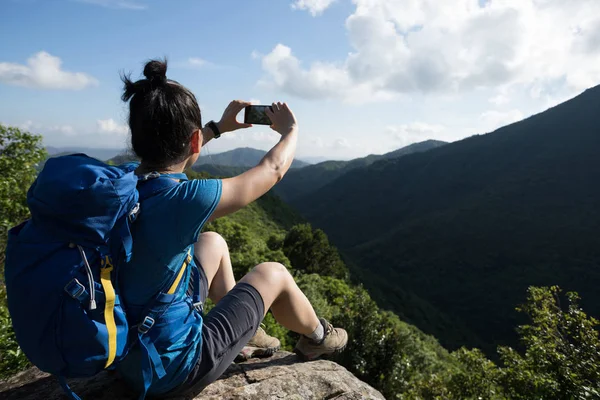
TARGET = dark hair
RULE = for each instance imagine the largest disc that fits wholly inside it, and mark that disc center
(162, 116)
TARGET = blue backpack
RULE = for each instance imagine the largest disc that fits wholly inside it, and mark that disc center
(62, 268)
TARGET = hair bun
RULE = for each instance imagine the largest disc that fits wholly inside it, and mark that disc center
(156, 71)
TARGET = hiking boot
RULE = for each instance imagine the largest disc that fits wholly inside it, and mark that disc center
(261, 345)
(334, 341)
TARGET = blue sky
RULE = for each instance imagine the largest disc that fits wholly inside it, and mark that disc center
(363, 76)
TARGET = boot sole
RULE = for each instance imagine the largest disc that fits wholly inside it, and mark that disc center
(304, 357)
(249, 352)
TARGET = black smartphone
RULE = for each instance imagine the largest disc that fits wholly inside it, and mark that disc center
(257, 115)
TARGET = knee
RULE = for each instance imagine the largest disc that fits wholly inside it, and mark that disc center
(212, 239)
(272, 272)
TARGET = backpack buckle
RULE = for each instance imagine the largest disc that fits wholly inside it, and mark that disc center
(145, 326)
(75, 289)
(151, 175)
(132, 216)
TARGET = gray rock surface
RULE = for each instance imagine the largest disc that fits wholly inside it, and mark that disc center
(282, 376)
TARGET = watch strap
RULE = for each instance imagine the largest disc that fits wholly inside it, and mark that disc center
(213, 127)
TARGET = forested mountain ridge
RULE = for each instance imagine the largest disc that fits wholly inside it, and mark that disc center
(468, 226)
(303, 181)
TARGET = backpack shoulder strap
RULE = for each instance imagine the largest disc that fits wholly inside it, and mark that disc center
(67, 389)
(151, 361)
(154, 183)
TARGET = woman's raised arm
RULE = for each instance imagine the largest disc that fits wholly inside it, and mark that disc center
(243, 189)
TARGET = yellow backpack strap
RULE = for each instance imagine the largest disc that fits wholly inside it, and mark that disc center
(186, 262)
(109, 307)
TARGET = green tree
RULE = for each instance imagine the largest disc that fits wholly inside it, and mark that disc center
(309, 251)
(246, 247)
(562, 356)
(12, 359)
(20, 153)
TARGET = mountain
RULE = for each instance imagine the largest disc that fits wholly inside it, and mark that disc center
(242, 157)
(315, 160)
(100, 154)
(468, 226)
(308, 179)
(221, 171)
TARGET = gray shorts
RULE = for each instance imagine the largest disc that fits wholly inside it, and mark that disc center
(225, 331)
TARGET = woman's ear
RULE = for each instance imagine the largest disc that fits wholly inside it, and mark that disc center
(196, 141)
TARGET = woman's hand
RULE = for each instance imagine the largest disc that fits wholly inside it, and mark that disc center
(229, 122)
(282, 118)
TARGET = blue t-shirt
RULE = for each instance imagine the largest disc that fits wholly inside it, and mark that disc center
(167, 228)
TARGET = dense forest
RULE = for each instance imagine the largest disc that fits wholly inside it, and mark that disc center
(466, 228)
(559, 358)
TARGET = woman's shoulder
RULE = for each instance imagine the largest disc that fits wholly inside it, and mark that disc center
(198, 189)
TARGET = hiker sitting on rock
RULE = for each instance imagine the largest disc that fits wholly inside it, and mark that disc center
(167, 135)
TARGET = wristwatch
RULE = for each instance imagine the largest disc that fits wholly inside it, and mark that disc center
(213, 127)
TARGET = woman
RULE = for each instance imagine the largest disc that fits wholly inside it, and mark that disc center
(167, 135)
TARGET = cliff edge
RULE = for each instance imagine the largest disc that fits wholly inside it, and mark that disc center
(282, 376)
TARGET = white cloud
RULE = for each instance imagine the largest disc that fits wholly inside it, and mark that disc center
(255, 101)
(260, 139)
(499, 99)
(43, 71)
(197, 62)
(269, 136)
(341, 143)
(321, 80)
(428, 46)
(27, 125)
(110, 126)
(492, 120)
(124, 4)
(200, 63)
(38, 128)
(414, 132)
(66, 130)
(315, 7)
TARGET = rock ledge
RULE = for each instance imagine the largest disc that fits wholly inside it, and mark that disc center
(282, 376)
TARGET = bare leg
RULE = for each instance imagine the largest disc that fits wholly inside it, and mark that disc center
(289, 305)
(212, 252)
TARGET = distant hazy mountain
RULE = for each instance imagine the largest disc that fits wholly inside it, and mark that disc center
(100, 154)
(315, 160)
(242, 157)
(308, 179)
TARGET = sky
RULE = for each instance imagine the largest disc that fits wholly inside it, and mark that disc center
(362, 76)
